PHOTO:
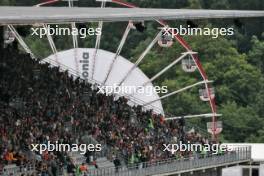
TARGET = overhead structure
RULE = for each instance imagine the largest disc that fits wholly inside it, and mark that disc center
(31, 15)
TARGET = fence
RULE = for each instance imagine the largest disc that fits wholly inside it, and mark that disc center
(238, 155)
(16, 170)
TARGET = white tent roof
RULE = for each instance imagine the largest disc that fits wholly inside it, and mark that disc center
(66, 60)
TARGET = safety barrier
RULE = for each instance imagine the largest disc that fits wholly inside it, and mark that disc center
(12, 169)
(238, 155)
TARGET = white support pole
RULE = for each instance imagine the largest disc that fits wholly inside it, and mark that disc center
(73, 26)
(119, 49)
(97, 43)
(250, 168)
(47, 2)
(177, 91)
(141, 57)
(51, 43)
(49, 37)
(75, 40)
(21, 41)
(74, 37)
(193, 116)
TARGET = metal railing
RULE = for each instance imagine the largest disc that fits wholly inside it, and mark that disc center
(17, 170)
(238, 155)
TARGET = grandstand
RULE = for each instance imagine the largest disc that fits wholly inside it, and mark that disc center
(33, 99)
(47, 100)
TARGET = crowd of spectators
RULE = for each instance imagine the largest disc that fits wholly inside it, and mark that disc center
(40, 103)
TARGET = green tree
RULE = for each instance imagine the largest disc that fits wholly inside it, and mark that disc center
(240, 123)
(256, 54)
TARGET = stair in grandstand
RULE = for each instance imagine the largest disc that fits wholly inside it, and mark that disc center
(100, 157)
(12, 169)
(77, 158)
(103, 162)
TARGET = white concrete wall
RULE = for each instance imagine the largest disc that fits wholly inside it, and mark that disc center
(261, 170)
(232, 171)
(257, 150)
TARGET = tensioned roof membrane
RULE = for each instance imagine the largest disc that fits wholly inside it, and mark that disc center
(73, 60)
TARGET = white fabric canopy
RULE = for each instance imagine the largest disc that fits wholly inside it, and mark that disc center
(72, 60)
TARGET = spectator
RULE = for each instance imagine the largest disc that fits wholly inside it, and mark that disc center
(117, 164)
(38, 103)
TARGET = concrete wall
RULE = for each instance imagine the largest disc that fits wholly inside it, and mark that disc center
(261, 170)
(232, 171)
(257, 153)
